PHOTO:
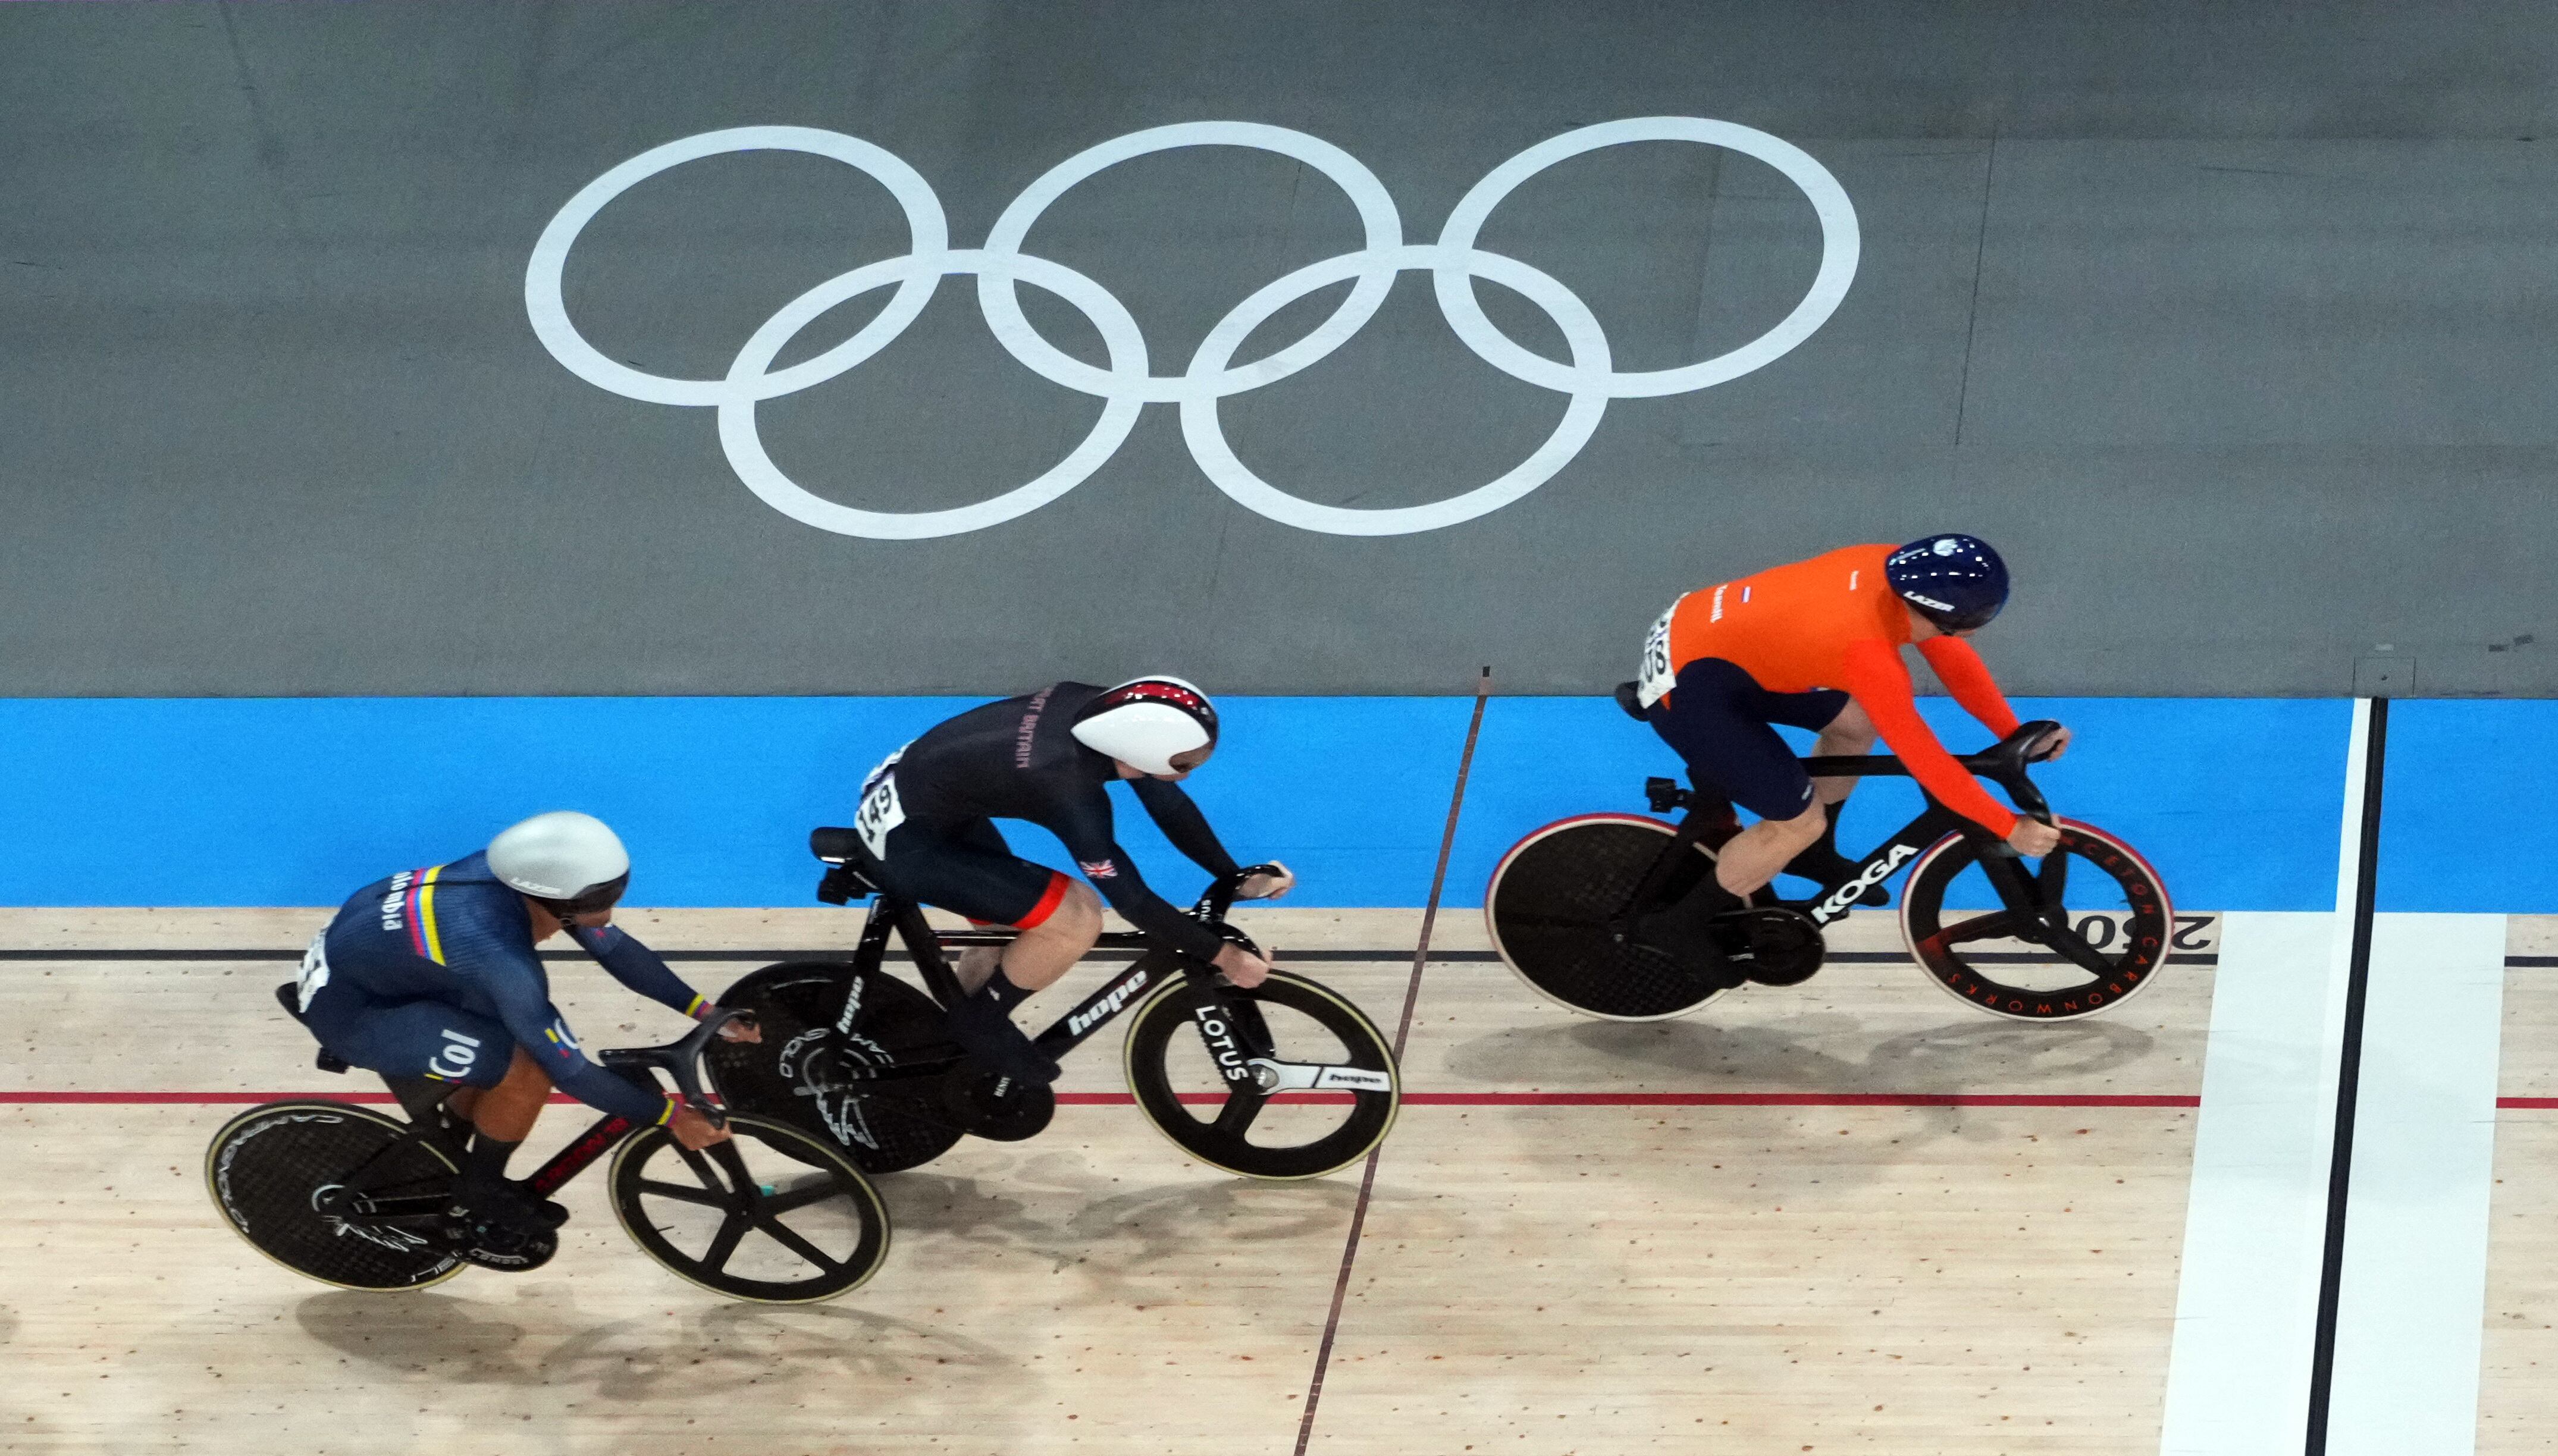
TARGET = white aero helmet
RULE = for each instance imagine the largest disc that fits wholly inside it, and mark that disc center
(568, 859)
(1144, 722)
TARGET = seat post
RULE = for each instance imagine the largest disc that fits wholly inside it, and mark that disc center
(925, 947)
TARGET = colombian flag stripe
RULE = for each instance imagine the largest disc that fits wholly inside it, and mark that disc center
(416, 933)
(426, 914)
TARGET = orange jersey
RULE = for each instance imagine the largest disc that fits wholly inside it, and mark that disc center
(1834, 621)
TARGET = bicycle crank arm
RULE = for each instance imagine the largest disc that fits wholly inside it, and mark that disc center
(1276, 1076)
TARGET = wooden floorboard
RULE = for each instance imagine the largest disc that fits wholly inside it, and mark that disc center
(1595, 1278)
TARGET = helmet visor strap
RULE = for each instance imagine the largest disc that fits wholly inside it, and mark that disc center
(594, 899)
(1964, 621)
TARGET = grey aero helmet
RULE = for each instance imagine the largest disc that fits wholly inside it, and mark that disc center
(1144, 722)
(570, 862)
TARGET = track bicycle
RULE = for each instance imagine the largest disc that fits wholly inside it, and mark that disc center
(359, 1198)
(1285, 1080)
(1600, 913)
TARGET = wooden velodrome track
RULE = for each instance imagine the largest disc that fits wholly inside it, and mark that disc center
(1853, 1214)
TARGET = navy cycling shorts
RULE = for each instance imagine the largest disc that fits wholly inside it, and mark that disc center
(426, 1038)
(1718, 717)
(971, 871)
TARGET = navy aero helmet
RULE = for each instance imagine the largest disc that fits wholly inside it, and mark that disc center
(1956, 582)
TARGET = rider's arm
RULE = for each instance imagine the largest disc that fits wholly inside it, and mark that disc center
(1180, 819)
(1083, 825)
(539, 1028)
(638, 967)
(1968, 678)
(1881, 685)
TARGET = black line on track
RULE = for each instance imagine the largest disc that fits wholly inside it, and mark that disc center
(2349, 1077)
(1336, 955)
(1402, 1029)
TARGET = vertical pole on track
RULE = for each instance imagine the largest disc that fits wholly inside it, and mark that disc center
(1404, 1028)
(2348, 1079)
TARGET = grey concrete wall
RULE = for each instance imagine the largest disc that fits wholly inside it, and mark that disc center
(2232, 325)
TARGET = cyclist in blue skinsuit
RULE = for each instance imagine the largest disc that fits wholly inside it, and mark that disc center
(430, 976)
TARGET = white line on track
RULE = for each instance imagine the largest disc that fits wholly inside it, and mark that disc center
(2412, 1299)
(2247, 1292)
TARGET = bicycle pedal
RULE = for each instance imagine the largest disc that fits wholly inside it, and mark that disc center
(998, 1108)
(1777, 945)
(504, 1249)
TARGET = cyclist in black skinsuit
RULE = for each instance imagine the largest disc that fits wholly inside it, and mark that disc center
(928, 819)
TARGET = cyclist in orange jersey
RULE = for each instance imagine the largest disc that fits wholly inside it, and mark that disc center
(1816, 644)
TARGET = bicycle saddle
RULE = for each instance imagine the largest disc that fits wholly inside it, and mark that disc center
(289, 996)
(1630, 700)
(845, 880)
(836, 846)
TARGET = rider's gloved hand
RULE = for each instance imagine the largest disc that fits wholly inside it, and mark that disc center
(1267, 886)
(2057, 744)
(694, 1130)
(1242, 967)
(2033, 837)
(741, 1029)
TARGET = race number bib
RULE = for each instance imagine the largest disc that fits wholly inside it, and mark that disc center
(315, 969)
(1658, 676)
(880, 811)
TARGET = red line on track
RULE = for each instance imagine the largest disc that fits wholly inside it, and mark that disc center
(1413, 1099)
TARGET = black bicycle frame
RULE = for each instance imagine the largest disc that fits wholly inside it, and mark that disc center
(891, 915)
(427, 1125)
(2004, 766)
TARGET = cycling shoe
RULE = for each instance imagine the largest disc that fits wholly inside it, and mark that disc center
(983, 1030)
(551, 1213)
(492, 1245)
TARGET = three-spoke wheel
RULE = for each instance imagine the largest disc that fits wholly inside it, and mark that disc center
(1286, 1080)
(2101, 933)
(772, 1214)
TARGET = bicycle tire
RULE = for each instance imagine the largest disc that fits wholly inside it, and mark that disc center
(1219, 1141)
(266, 1168)
(735, 1189)
(1937, 946)
(807, 1074)
(1547, 905)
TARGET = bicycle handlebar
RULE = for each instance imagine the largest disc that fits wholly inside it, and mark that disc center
(680, 1059)
(1219, 899)
(2003, 764)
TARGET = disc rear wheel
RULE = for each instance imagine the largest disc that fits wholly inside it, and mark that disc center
(806, 1073)
(1549, 906)
(328, 1190)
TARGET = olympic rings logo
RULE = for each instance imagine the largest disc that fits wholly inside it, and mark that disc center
(1588, 380)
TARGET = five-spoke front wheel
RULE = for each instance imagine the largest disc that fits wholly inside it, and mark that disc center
(772, 1214)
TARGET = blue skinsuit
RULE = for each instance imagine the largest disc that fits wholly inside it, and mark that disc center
(431, 973)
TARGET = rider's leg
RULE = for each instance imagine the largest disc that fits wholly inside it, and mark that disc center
(506, 1113)
(1848, 735)
(973, 872)
(1755, 854)
(1718, 719)
(501, 1089)
(1039, 956)
(504, 1116)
